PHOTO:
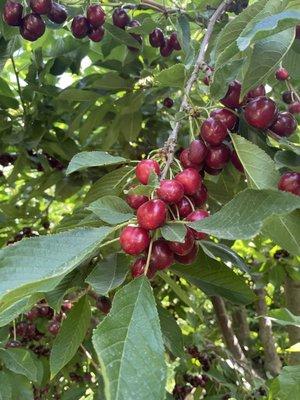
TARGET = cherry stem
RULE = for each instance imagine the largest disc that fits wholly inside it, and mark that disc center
(14, 330)
(90, 358)
(191, 204)
(148, 256)
(293, 90)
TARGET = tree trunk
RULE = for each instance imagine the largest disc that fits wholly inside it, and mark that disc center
(292, 296)
(241, 326)
(272, 360)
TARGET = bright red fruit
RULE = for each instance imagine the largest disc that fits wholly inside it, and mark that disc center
(236, 161)
(184, 207)
(294, 108)
(282, 74)
(226, 117)
(152, 214)
(156, 38)
(12, 13)
(190, 180)
(183, 248)
(80, 27)
(136, 200)
(162, 256)
(217, 156)
(213, 131)
(96, 34)
(256, 92)
(144, 169)
(134, 240)
(200, 197)
(185, 160)
(284, 125)
(170, 191)
(197, 216)
(95, 15)
(290, 182)
(58, 14)
(41, 6)
(32, 27)
(232, 97)
(197, 152)
(189, 258)
(261, 112)
(120, 18)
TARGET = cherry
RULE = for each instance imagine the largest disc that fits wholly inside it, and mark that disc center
(33, 314)
(80, 27)
(236, 161)
(170, 191)
(213, 131)
(294, 108)
(58, 14)
(284, 125)
(66, 306)
(261, 112)
(200, 197)
(156, 38)
(144, 169)
(152, 214)
(162, 256)
(13, 344)
(168, 103)
(190, 180)
(217, 156)
(120, 18)
(138, 267)
(184, 207)
(46, 311)
(21, 328)
(96, 34)
(134, 240)
(12, 13)
(290, 182)
(133, 24)
(173, 41)
(206, 80)
(53, 328)
(31, 331)
(197, 216)
(166, 49)
(232, 97)
(185, 160)
(197, 152)
(188, 258)
(136, 200)
(256, 92)
(226, 117)
(282, 74)
(183, 248)
(32, 27)
(288, 97)
(103, 304)
(41, 6)
(95, 15)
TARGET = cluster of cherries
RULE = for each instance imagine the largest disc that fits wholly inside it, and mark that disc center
(27, 231)
(237, 6)
(157, 39)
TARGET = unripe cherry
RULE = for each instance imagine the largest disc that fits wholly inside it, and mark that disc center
(294, 108)
(282, 74)
(144, 169)
(134, 240)
(213, 131)
(217, 156)
(162, 256)
(152, 214)
(95, 15)
(170, 191)
(188, 258)
(284, 125)
(290, 182)
(261, 112)
(200, 197)
(197, 152)
(227, 117)
(190, 180)
(198, 215)
(183, 248)
(185, 160)
(232, 97)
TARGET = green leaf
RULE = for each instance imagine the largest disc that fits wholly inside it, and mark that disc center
(5, 387)
(18, 308)
(88, 159)
(78, 95)
(173, 232)
(111, 209)
(243, 216)
(121, 36)
(40, 263)
(288, 159)
(21, 362)
(109, 273)
(171, 332)
(287, 384)
(70, 336)
(283, 317)
(260, 170)
(146, 27)
(21, 387)
(171, 77)
(131, 125)
(144, 190)
(129, 344)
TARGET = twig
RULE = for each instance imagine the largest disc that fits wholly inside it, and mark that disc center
(170, 144)
(90, 358)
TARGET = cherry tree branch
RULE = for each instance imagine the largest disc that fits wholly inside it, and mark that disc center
(171, 142)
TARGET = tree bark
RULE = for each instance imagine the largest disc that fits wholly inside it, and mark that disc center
(272, 360)
(241, 326)
(292, 296)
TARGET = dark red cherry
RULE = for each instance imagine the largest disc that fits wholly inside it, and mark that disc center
(290, 182)
(197, 152)
(261, 112)
(103, 304)
(33, 314)
(166, 49)
(185, 160)
(66, 306)
(12, 13)
(294, 108)
(173, 41)
(136, 200)
(236, 161)
(190, 180)
(168, 103)
(144, 169)
(152, 214)
(183, 248)
(80, 27)
(21, 328)
(232, 97)
(184, 207)
(53, 328)
(213, 131)
(284, 125)
(162, 256)
(188, 258)
(95, 15)
(198, 215)
(41, 6)
(96, 34)
(217, 156)
(138, 267)
(288, 97)
(134, 240)
(32, 27)
(226, 117)
(282, 74)
(200, 197)
(13, 344)
(156, 38)
(120, 18)
(170, 191)
(256, 92)
(58, 14)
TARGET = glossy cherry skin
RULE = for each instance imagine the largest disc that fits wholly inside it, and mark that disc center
(184, 208)
(189, 258)
(136, 200)
(232, 97)
(138, 267)
(162, 256)
(236, 161)
(80, 27)
(12, 13)
(120, 18)
(103, 304)
(197, 152)
(32, 27)
(58, 14)
(218, 156)
(213, 131)
(152, 214)
(185, 160)
(190, 180)
(166, 49)
(256, 92)
(226, 117)
(282, 74)
(41, 6)
(156, 38)
(290, 182)
(294, 108)
(53, 328)
(134, 240)
(261, 112)
(96, 34)
(183, 248)
(170, 191)
(168, 103)
(144, 169)
(284, 125)
(174, 43)
(288, 97)
(95, 15)
(200, 197)
(197, 216)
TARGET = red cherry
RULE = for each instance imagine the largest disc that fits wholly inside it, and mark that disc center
(197, 152)
(166, 49)
(189, 258)
(200, 197)
(170, 191)
(226, 117)
(138, 267)
(95, 15)
(185, 160)
(21, 328)
(53, 328)
(236, 161)
(213, 131)
(12, 13)
(183, 248)
(120, 18)
(156, 38)
(294, 108)
(261, 112)
(184, 207)
(232, 97)
(144, 169)
(168, 103)
(284, 125)
(134, 240)
(13, 344)
(152, 214)
(66, 306)
(162, 256)
(136, 200)
(33, 314)
(282, 74)
(32, 27)
(217, 156)
(80, 27)
(290, 182)
(96, 34)
(190, 180)
(103, 304)
(58, 14)
(256, 92)
(173, 41)
(212, 171)
(197, 216)
(41, 6)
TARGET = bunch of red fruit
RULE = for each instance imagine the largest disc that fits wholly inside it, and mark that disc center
(157, 39)
(91, 25)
